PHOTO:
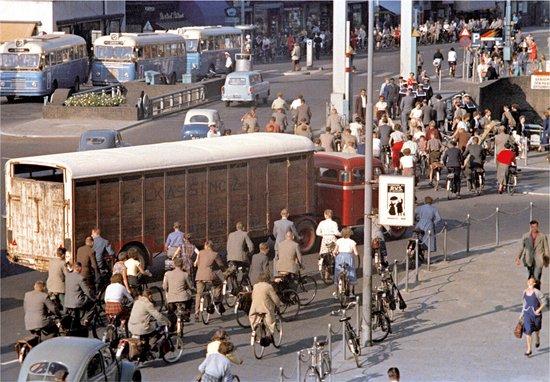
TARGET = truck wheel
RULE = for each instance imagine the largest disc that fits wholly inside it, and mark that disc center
(308, 239)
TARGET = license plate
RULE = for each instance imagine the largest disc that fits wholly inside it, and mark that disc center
(236, 96)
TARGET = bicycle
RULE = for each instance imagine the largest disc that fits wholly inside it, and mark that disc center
(380, 322)
(115, 331)
(352, 340)
(289, 298)
(326, 267)
(386, 159)
(452, 176)
(344, 289)
(477, 179)
(301, 284)
(157, 293)
(452, 68)
(261, 338)
(165, 345)
(241, 309)
(207, 306)
(512, 179)
(231, 286)
(319, 362)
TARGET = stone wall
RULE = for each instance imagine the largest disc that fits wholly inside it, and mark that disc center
(123, 112)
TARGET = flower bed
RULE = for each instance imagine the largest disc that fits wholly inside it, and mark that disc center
(95, 100)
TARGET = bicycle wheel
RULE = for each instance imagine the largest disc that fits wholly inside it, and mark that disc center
(97, 321)
(230, 295)
(380, 326)
(512, 183)
(205, 303)
(353, 343)
(307, 287)
(236, 378)
(291, 304)
(312, 374)
(175, 350)
(241, 317)
(158, 297)
(257, 347)
(110, 336)
(278, 333)
(326, 365)
(326, 274)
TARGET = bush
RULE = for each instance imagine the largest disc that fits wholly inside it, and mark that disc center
(95, 100)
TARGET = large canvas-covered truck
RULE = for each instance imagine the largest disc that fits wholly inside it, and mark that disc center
(135, 194)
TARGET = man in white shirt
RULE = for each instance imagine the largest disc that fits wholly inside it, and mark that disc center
(297, 102)
(279, 103)
(376, 146)
(228, 63)
(327, 230)
(355, 126)
(411, 145)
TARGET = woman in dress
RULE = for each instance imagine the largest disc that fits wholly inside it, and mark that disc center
(346, 253)
(533, 303)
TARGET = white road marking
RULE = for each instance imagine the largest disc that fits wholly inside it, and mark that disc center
(9, 362)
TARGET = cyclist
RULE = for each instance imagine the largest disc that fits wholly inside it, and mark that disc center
(264, 301)
(451, 58)
(327, 230)
(177, 285)
(208, 264)
(145, 318)
(57, 271)
(505, 158)
(452, 159)
(238, 247)
(78, 295)
(117, 297)
(475, 156)
(438, 59)
(36, 305)
(134, 268)
(346, 253)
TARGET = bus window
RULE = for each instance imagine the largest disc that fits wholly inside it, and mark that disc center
(66, 55)
(176, 49)
(211, 43)
(47, 60)
(358, 175)
(139, 52)
(154, 51)
(147, 51)
(160, 50)
(167, 50)
(345, 176)
(191, 45)
(328, 173)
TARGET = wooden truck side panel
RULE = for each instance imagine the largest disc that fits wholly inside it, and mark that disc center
(208, 201)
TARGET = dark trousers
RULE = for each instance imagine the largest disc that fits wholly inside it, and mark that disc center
(534, 272)
(456, 179)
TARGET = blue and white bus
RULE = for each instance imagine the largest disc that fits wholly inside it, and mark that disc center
(122, 57)
(38, 65)
(206, 47)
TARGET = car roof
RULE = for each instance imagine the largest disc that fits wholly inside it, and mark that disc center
(342, 160)
(241, 74)
(70, 351)
(201, 111)
(100, 132)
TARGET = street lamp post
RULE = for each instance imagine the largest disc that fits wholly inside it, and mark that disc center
(367, 250)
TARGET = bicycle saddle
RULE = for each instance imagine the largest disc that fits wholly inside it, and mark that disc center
(344, 319)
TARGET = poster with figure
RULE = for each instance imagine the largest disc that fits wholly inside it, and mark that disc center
(396, 200)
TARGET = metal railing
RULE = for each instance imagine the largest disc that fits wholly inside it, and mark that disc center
(114, 90)
(173, 102)
(467, 223)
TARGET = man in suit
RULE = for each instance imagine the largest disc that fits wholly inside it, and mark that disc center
(264, 301)
(85, 256)
(334, 121)
(177, 285)
(327, 140)
(302, 112)
(236, 242)
(102, 249)
(407, 104)
(440, 110)
(534, 251)
(282, 226)
(77, 293)
(259, 264)
(208, 264)
(361, 104)
(36, 305)
(392, 92)
(145, 316)
(288, 258)
(57, 270)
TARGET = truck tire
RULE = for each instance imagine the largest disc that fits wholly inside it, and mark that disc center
(308, 239)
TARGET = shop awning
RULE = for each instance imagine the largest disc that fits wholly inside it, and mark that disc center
(13, 30)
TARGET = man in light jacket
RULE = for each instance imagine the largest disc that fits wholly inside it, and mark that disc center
(264, 301)
(534, 251)
(288, 256)
(57, 270)
(282, 226)
(236, 243)
(144, 315)
(178, 287)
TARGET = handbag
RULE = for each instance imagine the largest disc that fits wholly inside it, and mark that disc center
(518, 330)
(545, 261)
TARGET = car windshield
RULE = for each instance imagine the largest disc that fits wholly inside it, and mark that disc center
(45, 371)
(19, 61)
(237, 81)
(121, 53)
(199, 119)
(191, 45)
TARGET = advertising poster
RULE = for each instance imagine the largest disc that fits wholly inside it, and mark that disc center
(396, 200)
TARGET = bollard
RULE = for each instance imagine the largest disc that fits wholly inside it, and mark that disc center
(329, 340)
(46, 100)
(344, 340)
(298, 371)
(406, 273)
(468, 233)
(445, 242)
(395, 281)
(429, 246)
(440, 78)
(358, 315)
(497, 224)
(416, 260)
(281, 375)
(530, 211)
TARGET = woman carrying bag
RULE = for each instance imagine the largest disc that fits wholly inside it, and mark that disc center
(533, 303)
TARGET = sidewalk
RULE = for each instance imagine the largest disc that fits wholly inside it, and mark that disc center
(61, 128)
(455, 331)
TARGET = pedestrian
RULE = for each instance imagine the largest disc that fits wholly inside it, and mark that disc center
(406, 163)
(426, 113)
(302, 112)
(280, 119)
(392, 94)
(501, 139)
(57, 271)
(217, 367)
(505, 158)
(393, 374)
(531, 313)
(208, 264)
(259, 264)
(296, 102)
(452, 159)
(317, 41)
(428, 218)
(380, 108)
(178, 287)
(213, 131)
(356, 126)
(174, 242)
(534, 251)
(303, 129)
(334, 121)
(327, 140)
(295, 57)
(250, 121)
(440, 109)
(279, 103)
(361, 104)
(213, 346)
(282, 226)
(545, 134)
(85, 256)
(419, 61)
(346, 254)
(406, 106)
(104, 254)
(229, 67)
(272, 126)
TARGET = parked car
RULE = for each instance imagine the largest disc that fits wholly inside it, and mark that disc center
(533, 132)
(245, 87)
(196, 123)
(100, 139)
(83, 359)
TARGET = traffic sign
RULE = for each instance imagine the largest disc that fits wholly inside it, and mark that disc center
(465, 42)
(464, 33)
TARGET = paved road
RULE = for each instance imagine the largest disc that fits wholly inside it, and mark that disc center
(297, 334)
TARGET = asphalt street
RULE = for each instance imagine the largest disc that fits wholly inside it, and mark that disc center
(513, 221)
